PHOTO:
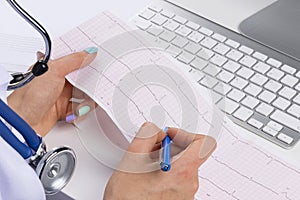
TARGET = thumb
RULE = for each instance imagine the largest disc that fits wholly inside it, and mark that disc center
(67, 64)
(146, 139)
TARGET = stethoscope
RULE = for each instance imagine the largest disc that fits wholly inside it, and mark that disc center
(55, 167)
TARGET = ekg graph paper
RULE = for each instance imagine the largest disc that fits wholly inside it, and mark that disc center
(135, 84)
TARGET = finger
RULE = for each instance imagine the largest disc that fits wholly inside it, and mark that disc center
(80, 111)
(146, 139)
(198, 151)
(65, 65)
(183, 138)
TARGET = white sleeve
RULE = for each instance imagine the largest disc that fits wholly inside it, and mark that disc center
(4, 79)
(17, 179)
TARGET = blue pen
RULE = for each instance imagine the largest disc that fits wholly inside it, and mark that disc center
(165, 164)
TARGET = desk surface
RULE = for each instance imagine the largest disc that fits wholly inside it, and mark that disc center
(91, 176)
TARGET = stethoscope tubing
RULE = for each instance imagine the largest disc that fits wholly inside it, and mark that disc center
(32, 139)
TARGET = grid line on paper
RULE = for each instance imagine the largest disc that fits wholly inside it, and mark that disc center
(237, 170)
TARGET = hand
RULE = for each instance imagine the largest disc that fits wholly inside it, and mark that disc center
(139, 176)
(45, 100)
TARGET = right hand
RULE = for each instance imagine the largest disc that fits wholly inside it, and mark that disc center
(139, 177)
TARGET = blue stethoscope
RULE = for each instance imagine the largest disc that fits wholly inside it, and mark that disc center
(54, 167)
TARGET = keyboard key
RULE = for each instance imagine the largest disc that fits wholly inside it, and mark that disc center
(267, 96)
(208, 82)
(180, 42)
(218, 60)
(288, 69)
(155, 8)
(298, 74)
(260, 56)
(232, 43)
(273, 86)
(274, 63)
(236, 95)
(186, 57)
(270, 131)
(225, 76)
(289, 80)
(155, 31)
(195, 36)
(261, 67)
(206, 54)
(250, 102)
(221, 49)
(294, 110)
(286, 119)
(156, 42)
(287, 92)
(212, 70)
(246, 50)
(234, 55)
(196, 75)
(243, 114)
(193, 25)
(216, 97)
(222, 88)
(167, 14)
(298, 87)
(180, 20)
(253, 89)
(159, 20)
(171, 25)
(206, 31)
(275, 74)
(285, 138)
(239, 83)
(192, 48)
(219, 37)
(174, 51)
(255, 123)
(147, 14)
(246, 73)
(208, 42)
(231, 66)
(264, 109)
(183, 31)
(248, 61)
(167, 36)
(297, 99)
(275, 126)
(228, 106)
(259, 79)
(142, 23)
(199, 63)
(281, 103)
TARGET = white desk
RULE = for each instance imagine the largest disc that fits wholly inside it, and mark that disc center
(59, 16)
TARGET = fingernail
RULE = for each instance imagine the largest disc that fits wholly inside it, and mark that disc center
(91, 50)
(166, 129)
(83, 110)
(70, 118)
(146, 124)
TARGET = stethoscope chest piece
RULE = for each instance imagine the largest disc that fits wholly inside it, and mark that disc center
(55, 169)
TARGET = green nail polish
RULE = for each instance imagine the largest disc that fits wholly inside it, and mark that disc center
(91, 50)
(83, 110)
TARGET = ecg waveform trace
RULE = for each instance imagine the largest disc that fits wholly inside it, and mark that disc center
(237, 170)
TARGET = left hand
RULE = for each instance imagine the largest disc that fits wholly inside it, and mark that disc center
(45, 100)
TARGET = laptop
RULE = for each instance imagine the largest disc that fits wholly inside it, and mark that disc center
(259, 84)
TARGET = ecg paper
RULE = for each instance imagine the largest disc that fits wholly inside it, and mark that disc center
(125, 85)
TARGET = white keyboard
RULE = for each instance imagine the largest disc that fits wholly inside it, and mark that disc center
(260, 93)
